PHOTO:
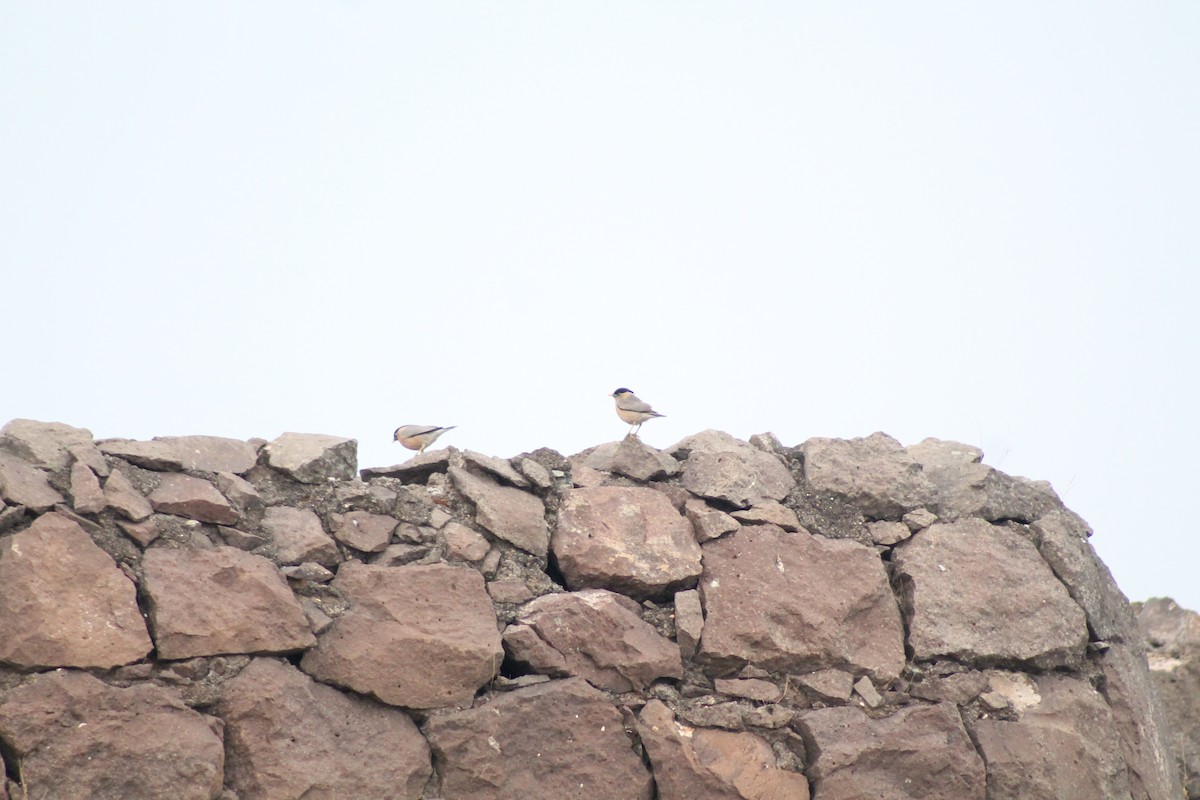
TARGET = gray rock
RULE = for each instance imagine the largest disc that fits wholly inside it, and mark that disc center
(537, 475)
(498, 467)
(397, 555)
(507, 513)
(920, 519)
(962, 487)
(193, 498)
(875, 474)
(720, 467)
(830, 605)
(627, 539)
(1173, 638)
(888, 533)
(124, 498)
(639, 461)
(314, 457)
(982, 595)
(22, 484)
(299, 536)
(43, 444)
(866, 690)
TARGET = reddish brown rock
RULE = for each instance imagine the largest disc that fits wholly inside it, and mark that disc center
(689, 621)
(595, 637)
(827, 685)
(1063, 747)
(222, 600)
(708, 522)
(875, 474)
(639, 461)
(700, 763)
(86, 495)
(153, 455)
(242, 494)
(64, 603)
(288, 737)
(212, 453)
(829, 601)
(1173, 649)
(313, 457)
(143, 532)
(962, 487)
(509, 514)
(627, 539)
(24, 485)
(77, 738)
(498, 467)
(749, 688)
(561, 739)
(509, 591)
(769, 512)
(191, 497)
(464, 544)
(982, 595)
(415, 636)
(723, 468)
(366, 532)
(44, 444)
(123, 497)
(919, 752)
(298, 536)
(416, 469)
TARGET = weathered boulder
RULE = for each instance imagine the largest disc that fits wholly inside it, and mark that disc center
(509, 514)
(313, 457)
(770, 602)
(981, 594)
(64, 603)
(718, 765)
(22, 484)
(123, 497)
(921, 751)
(287, 736)
(561, 739)
(191, 497)
(105, 743)
(963, 487)
(875, 474)
(592, 634)
(212, 453)
(1064, 746)
(629, 457)
(1172, 636)
(720, 467)
(221, 600)
(627, 539)
(419, 636)
(45, 444)
(299, 536)
(498, 467)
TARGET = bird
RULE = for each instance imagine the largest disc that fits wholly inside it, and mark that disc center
(633, 410)
(418, 437)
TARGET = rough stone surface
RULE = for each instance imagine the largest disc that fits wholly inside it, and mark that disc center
(1172, 636)
(313, 457)
(639, 461)
(693, 763)
(689, 621)
(416, 469)
(918, 752)
(86, 495)
(770, 512)
(510, 514)
(627, 539)
(827, 685)
(875, 474)
(561, 739)
(64, 603)
(143, 532)
(223, 600)
(962, 487)
(105, 743)
(749, 688)
(212, 453)
(420, 636)
(125, 499)
(498, 467)
(43, 444)
(981, 594)
(708, 522)
(723, 468)
(22, 484)
(191, 497)
(289, 737)
(595, 637)
(299, 536)
(888, 533)
(464, 544)
(366, 532)
(769, 602)
(1064, 747)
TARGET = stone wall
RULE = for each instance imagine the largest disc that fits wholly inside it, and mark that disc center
(209, 618)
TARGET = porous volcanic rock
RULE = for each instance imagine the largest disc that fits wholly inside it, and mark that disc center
(627, 539)
(220, 600)
(22, 484)
(982, 595)
(287, 736)
(105, 743)
(921, 751)
(193, 498)
(419, 636)
(510, 514)
(561, 739)
(769, 602)
(299, 536)
(313, 457)
(875, 474)
(64, 603)
(1063, 747)
(720, 467)
(592, 634)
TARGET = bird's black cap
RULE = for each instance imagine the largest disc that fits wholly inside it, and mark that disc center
(622, 391)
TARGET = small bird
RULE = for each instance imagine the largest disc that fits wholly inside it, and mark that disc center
(418, 437)
(633, 410)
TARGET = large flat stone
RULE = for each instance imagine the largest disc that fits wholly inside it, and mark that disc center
(64, 602)
(220, 600)
(561, 739)
(420, 636)
(212, 453)
(510, 514)
(962, 487)
(287, 736)
(796, 602)
(77, 738)
(982, 595)
(299, 536)
(124, 498)
(154, 455)
(313, 457)
(191, 497)
(43, 444)
(875, 474)
(22, 484)
(720, 467)
(627, 539)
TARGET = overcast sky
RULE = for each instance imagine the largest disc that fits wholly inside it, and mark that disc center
(816, 219)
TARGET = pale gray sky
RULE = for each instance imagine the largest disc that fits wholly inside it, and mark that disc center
(818, 219)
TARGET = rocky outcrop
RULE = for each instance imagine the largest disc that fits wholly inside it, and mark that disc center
(204, 617)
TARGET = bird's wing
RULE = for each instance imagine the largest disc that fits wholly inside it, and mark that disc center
(417, 430)
(632, 403)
